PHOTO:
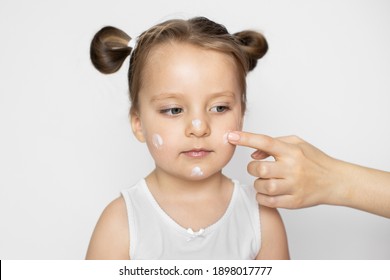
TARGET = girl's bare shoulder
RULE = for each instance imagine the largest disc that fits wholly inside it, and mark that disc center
(273, 235)
(110, 239)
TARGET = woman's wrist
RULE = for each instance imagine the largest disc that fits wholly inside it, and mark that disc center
(337, 184)
(358, 187)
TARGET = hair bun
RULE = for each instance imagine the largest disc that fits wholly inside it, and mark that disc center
(254, 45)
(109, 49)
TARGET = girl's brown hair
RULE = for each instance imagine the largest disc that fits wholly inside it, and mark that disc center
(109, 48)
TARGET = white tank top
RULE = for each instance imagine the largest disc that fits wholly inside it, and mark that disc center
(155, 235)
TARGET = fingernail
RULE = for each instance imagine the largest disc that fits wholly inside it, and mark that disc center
(233, 136)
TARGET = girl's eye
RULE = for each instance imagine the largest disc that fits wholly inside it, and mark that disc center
(171, 111)
(219, 109)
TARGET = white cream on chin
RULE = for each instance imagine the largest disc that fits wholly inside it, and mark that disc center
(157, 140)
(196, 123)
(197, 171)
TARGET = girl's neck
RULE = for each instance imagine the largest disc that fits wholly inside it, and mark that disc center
(187, 202)
(165, 183)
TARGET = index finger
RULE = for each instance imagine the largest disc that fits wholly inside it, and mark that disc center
(271, 146)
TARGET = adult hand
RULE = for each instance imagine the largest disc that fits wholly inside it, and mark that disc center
(301, 176)
(298, 177)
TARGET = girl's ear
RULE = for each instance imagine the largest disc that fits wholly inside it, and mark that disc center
(136, 125)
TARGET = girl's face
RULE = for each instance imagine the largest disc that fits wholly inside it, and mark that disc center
(189, 101)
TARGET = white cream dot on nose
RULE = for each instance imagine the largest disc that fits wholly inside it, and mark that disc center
(196, 123)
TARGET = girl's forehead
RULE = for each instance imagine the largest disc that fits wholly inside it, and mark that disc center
(185, 52)
(177, 72)
(178, 62)
(190, 72)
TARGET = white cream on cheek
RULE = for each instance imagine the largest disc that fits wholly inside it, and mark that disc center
(157, 140)
(196, 123)
(197, 171)
(225, 137)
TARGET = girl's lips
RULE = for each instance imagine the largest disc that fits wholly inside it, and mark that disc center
(197, 153)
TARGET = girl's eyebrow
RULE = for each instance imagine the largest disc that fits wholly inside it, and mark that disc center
(163, 96)
(222, 94)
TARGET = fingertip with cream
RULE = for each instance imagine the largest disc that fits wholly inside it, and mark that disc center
(233, 136)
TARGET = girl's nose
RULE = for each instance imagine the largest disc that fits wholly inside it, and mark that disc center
(198, 127)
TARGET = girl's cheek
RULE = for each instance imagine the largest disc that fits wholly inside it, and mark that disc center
(225, 137)
(237, 127)
(157, 141)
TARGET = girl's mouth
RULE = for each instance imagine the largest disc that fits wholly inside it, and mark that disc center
(197, 153)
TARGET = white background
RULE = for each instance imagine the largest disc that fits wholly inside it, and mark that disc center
(66, 147)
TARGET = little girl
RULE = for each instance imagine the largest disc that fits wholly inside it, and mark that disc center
(188, 91)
